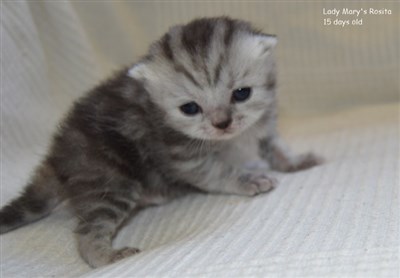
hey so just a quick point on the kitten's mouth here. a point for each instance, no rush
(214, 134)
(225, 134)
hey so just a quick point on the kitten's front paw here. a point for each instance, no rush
(253, 184)
(123, 253)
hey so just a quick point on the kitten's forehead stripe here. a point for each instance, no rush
(231, 80)
(228, 32)
(196, 38)
(197, 35)
(218, 68)
(207, 73)
(166, 47)
(184, 71)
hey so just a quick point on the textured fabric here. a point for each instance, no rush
(339, 93)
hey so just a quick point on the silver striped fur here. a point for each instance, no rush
(126, 144)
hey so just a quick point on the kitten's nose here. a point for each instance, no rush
(224, 124)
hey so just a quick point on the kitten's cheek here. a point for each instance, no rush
(209, 132)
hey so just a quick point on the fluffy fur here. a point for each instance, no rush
(127, 144)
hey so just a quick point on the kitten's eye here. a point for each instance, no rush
(190, 108)
(241, 94)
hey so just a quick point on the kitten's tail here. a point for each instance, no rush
(36, 201)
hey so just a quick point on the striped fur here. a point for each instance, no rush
(126, 145)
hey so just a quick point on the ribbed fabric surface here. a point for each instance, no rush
(339, 95)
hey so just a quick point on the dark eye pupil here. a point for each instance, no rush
(190, 108)
(241, 94)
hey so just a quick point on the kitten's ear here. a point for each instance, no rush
(267, 40)
(256, 45)
(139, 71)
(267, 43)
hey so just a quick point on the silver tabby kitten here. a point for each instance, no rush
(198, 113)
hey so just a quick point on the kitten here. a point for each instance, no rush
(192, 115)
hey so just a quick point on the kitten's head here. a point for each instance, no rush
(213, 77)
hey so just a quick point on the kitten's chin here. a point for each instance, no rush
(208, 133)
(219, 135)
(225, 136)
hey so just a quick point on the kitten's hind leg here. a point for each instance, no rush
(98, 226)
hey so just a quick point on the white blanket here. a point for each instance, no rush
(339, 219)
